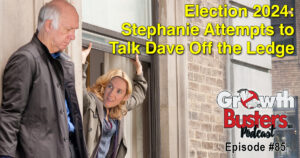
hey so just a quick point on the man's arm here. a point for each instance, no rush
(17, 80)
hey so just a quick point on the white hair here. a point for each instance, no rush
(48, 12)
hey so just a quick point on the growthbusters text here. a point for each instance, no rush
(253, 121)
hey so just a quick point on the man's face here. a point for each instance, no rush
(62, 36)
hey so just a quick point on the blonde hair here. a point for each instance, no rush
(98, 88)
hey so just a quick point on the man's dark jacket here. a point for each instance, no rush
(33, 119)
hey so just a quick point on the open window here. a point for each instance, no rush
(102, 22)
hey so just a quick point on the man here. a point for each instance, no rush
(40, 117)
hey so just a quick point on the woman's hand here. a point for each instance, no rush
(138, 65)
(85, 53)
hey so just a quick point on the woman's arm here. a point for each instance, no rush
(87, 98)
(138, 92)
(139, 86)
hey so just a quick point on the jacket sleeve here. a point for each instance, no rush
(138, 92)
(87, 98)
(17, 81)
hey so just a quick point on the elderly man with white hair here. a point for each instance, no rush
(39, 116)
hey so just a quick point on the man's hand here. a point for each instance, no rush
(138, 65)
(85, 53)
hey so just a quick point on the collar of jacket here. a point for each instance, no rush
(119, 133)
(64, 60)
(68, 68)
(43, 50)
(100, 108)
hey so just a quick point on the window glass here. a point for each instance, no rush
(111, 14)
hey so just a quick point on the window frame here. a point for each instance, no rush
(153, 85)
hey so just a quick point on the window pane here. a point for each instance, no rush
(111, 14)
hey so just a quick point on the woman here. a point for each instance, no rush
(104, 106)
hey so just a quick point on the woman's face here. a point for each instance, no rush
(115, 92)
